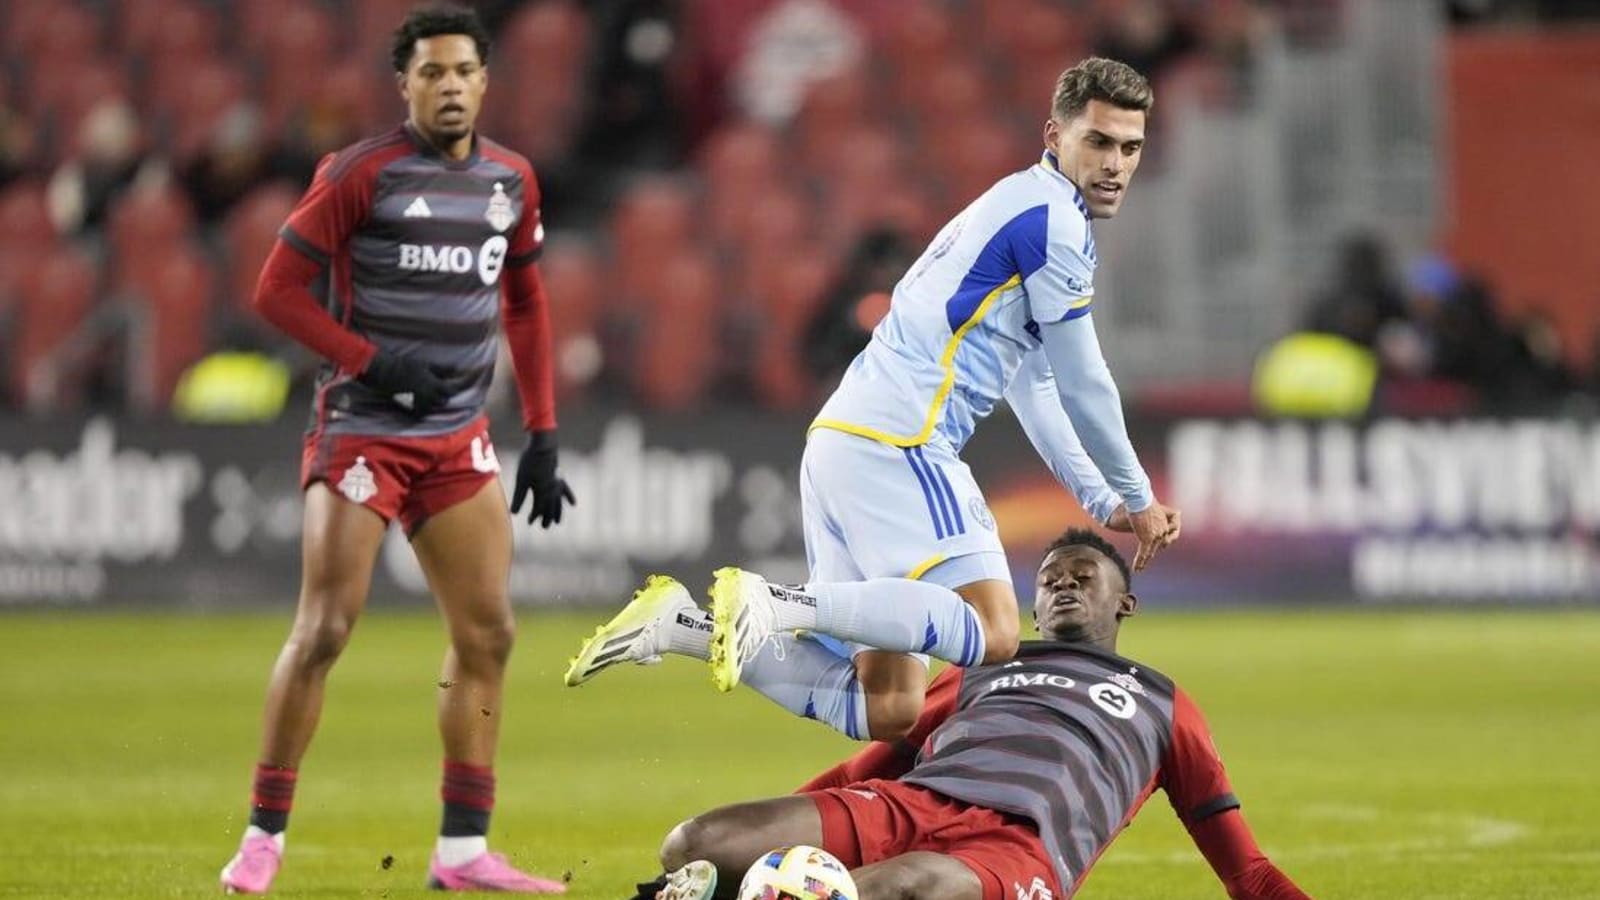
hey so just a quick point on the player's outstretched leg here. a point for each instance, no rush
(662, 618)
(895, 614)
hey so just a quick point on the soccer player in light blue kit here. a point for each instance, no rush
(903, 552)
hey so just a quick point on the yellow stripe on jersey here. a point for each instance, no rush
(947, 361)
(923, 567)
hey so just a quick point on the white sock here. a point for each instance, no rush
(810, 680)
(689, 634)
(796, 608)
(901, 615)
(252, 831)
(455, 851)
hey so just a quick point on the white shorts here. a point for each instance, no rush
(872, 510)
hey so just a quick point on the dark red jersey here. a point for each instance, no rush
(1073, 739)
(412, 246)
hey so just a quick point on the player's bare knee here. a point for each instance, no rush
(485, 643)
(315, 643)
(891, 717)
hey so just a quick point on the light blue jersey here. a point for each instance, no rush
(969, 311)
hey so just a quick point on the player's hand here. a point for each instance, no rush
(412, 385)
(1155, 526)
(536, 475)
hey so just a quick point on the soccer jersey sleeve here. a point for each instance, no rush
(335, 205)
(527, 241)
(1192, 772)
(1094, 406)
(1034, 399)
(1062, 285)
(1197, 786)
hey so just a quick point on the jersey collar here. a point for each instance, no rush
(1050, 164)
(428, 150)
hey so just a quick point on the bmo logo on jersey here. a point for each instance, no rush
(488, 259)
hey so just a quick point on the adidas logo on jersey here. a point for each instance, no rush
(418, 209)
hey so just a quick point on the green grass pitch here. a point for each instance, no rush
(1380, 756)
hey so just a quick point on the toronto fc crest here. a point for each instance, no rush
(500, 213)
(358, 485)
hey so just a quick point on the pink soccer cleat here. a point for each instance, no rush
(255, 865)
(488, 872)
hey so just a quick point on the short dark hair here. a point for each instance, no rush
(1083, 537)
(1106, 80)
(432, 21)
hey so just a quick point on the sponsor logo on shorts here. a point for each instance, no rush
(1038, 889)
(862, 792)
(358, 485)
(483, 456)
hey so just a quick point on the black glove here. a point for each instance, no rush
(536, 473)
(413, 386)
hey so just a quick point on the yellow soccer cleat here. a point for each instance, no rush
(638, 634)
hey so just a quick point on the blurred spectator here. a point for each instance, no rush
(106, 157)
(796, 43)
(1364, 295)
(1145, 35)
(859, 297)
(238, 158)
(633, 119)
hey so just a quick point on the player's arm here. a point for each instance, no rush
(316, 230)
(1032, 395)
(525, 316)
(891, 759)
(1197, 786)
(1060, 296)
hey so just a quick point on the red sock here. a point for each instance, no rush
(468, 794)
(271, 796)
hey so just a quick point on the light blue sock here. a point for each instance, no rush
(810, 680)
(901, 615)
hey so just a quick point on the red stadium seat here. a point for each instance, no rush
(159, 29)
(25, 217)
(655, 217)
(790, 289)
(574, 282)
(57, 293)
(148, 221)
(249, 232)
(676, 356)
(551, 38)
(65, 31)
(954, 89)
(173, 291)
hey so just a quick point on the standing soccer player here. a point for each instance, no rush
(903, 552)
(395, 267)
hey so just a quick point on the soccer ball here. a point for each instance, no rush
(797, 873)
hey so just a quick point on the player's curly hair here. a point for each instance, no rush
(432, 21)
(1083, 537)
(1106, 80)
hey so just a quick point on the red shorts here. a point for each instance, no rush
(871, 821)
(409, 477)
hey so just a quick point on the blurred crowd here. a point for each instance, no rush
(731, 187)
(1440, 341)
